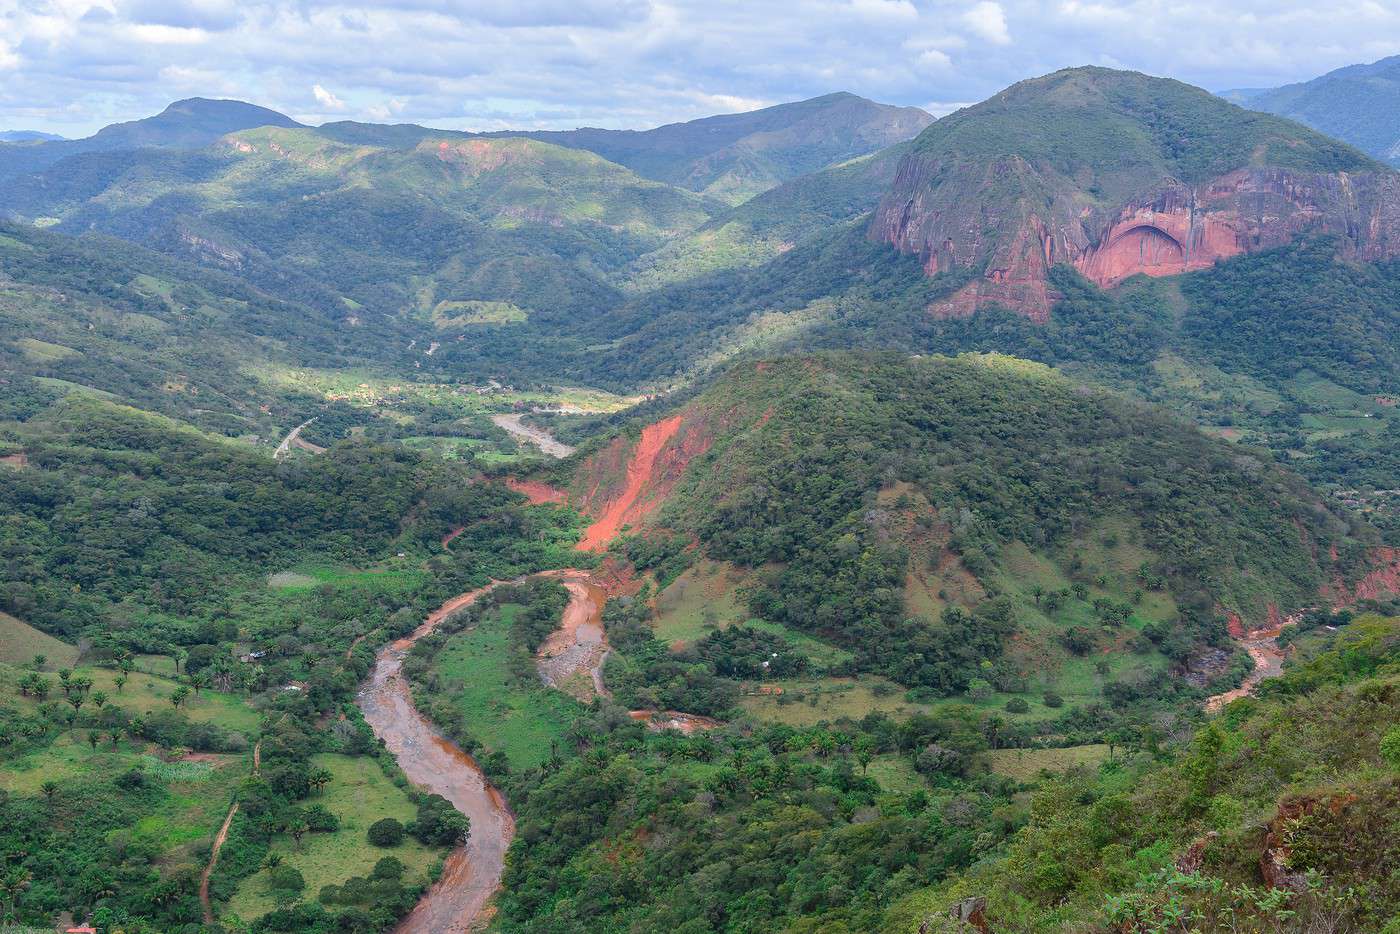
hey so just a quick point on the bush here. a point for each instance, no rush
(386, 832)
(1053, 700)
(1017, 705)
(286, 879)
(1390, 748)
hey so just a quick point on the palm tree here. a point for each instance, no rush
(12, 885)
(49, 788)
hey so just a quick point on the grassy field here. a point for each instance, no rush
(895, 772)
(704, 599)
(142, 694)
(20, 642)
(518, 720)
(1026, 764)
(186, 816)
(359, 794)
(808, 701)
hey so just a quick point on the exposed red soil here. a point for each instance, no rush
(1382, 580)
(15, 460)
(627, 507)
(536, 492)
(447, 539)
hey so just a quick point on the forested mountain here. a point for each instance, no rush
(731, 157)
(422, 232)
(919, 493)
(856, 487)
(1117, 173)
(1358, 104)
(187, 124)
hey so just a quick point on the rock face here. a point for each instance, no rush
(1008, 201)
(1176, 228)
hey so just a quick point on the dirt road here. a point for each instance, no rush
(219, 839)
(293, 436)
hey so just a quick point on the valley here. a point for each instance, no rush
(820, 518)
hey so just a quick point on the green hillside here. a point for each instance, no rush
(730, 157)
(859, 490)
(539, 226)
(1358, 104)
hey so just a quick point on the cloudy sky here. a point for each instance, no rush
(71, 66)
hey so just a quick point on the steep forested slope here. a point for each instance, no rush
(853, 486)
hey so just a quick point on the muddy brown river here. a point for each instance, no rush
(472, 873)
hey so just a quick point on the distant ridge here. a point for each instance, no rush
(188, 124)
(1358, 104)
(28, 136)
(730, 156)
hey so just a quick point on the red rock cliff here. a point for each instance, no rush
(1013, 221)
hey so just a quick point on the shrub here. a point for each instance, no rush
(1017, 705)
(386, 832)
(1390, 748)
(1053, 700)
(285, 879)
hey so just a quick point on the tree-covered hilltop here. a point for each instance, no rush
(839, 479)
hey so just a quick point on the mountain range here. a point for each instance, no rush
(925, 486)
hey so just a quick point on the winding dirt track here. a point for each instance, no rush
(293, 436)
(472, 872)
(219, 839)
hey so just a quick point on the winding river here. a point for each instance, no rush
(472, 872)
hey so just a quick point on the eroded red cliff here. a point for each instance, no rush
(1014, 221)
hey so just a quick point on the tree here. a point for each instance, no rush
(177, 696)
(99, 698)
(318, 779)
(865, 751)
(120, 682)
(40, 661)
(385, 832)
(49, 789)
(93, 737)
(13, 883)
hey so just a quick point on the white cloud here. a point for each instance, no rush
(885, 9)
(74, 65)
(934, 60)
(326, 99)
(988, 20)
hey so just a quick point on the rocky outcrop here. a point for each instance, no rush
(1011, 221)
